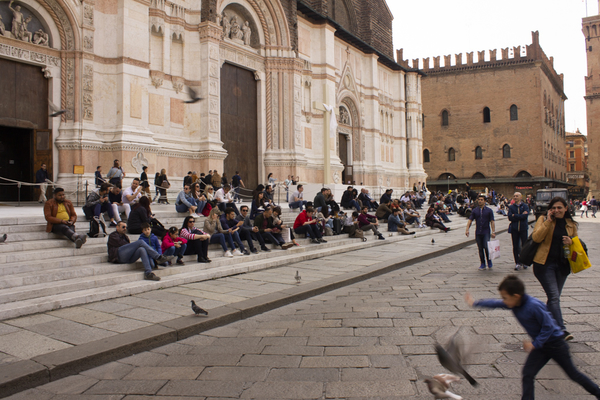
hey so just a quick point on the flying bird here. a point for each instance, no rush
(439, 385)
(193, 96)
(297, 277)
(451, 359)
(198, 310)
(55, 110)
(3, 238)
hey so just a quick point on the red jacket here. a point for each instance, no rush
(301, 219)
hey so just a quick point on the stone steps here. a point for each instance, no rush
(103, 282)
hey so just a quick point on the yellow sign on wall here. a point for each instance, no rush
(78, 169)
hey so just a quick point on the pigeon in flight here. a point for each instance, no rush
(451, 357)
(439, 385)
(3, 238)
(297, 277)
(198, 310)
(55, 110)
(193, 96)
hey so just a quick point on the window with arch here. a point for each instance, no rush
(478, 153)
(506, 151)
(426, 156)
(445, 118)
(523, 174)
(514, 113)
(487, 117)
(451, 154)
(478, 175)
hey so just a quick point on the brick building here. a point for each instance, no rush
(591, 32)
(495, 122)
(121, 69)
(577, 160)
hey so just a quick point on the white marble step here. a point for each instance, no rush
(130, 282)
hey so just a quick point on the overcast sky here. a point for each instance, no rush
(429, 28)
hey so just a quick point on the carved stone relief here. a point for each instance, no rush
(156, 81)
(88, 92)
(178, 86)
(139, 162)
(235, 29)
(88, 14)
(88, 43)
(25, 26)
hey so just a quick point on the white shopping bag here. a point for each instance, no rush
(285, 234)
(494, 249)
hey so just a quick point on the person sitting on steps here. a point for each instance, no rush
(305, 224)
(248, 226)
(364, 222)
(395, 224)
(122, 251)
(235, 228)
(151, 240)
(173, 245)
(61, 218)
(185, 202)
(212, 226)
(97, 203)
(349, 200)
(225, 198)
(115, 196)
(264, 223)
(297, 199)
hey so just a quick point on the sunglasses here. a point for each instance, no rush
(191, 221)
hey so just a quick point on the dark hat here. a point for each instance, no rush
(189, 172)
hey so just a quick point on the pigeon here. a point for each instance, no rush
(56, 111)
(3, 238)
(451, 359)
(193, 96)
(198, 310)
(297, 277)
(432, 241)
(439, 385)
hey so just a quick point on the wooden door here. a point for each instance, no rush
(239, 123)
(343, 152)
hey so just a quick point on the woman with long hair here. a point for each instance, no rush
(197, 240)
(212, 226)
(162, 187)
(258, 204)
(550, 265)
(140, 213)
(432, 220)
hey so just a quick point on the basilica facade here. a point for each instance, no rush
(270, 74)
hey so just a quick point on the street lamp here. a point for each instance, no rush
(448, 177)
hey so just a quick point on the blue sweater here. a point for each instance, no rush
(534, 317)
(518, 220)
(152, 241)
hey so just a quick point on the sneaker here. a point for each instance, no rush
(567, 336)
(482, 267)
(236, 252)
(322, 240)
(286, 246)
(112, 224)
(518, 267)
(246, 252)
(78, 242)
(227, 254)
(315, 241)
(254, 251)
(490, 265)
(264, 248)
(149, 276)
(380, 237)
(180, 261)
(163, 259)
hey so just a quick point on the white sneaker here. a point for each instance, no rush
(227, 254)
(236, 252)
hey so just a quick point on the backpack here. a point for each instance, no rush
(95, 225)
(337, 226)
(157, 228)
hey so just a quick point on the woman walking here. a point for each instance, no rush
(550, 266)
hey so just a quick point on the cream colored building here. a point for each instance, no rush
(265, 69)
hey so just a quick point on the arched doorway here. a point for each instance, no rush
(239, 123)
(345, 144)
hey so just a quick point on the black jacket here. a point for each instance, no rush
(114, 242)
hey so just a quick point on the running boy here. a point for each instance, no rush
(547, 336)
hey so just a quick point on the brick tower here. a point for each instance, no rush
(591, 31)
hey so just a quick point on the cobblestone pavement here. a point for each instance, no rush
(369, 340)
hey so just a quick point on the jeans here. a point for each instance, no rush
(274, 238)
(557, 350)
(371, 227)
(353, 203)
(482, 245)
(298, 204)
(235, 238)
(174, 251)
(224, 206)
(66, 230)
(220, 239)
(132, 252)
(246, 234)
(311, 231)
(182, 207)
(394, 223)
(553, 280)
(444, 217)
(518, 240)
(117, 210)
(101, 208)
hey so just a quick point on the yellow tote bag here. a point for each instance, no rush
(578, 259)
